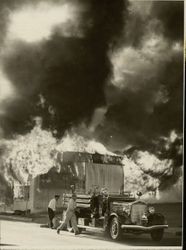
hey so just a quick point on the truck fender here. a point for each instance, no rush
(113, 215)
(108, 220)
(120, 217)
(156, 219)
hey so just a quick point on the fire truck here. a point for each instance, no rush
(103, 205)
(102, 202)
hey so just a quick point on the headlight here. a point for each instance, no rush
(151, 210)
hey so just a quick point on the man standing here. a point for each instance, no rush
(52, 209)
(70, 216)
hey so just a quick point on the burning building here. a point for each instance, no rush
(84, 171)
(37, 166)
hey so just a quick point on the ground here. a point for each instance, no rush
(29, 235)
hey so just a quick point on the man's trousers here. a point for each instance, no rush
(70, 217)
(51, 215)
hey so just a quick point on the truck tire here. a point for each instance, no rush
(115, 229)
(157, 235)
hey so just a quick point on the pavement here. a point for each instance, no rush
(29, 235)
(42, 219)
(15, 218)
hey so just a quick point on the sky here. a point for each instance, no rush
(111, 71)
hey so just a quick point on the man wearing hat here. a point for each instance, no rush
(52, 209)
(70, 216)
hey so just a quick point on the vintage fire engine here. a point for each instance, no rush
(103, 205)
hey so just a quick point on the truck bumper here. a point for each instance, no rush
(143, 228)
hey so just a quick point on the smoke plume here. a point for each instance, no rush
(111, 71)
(145, 96)
(69, 69)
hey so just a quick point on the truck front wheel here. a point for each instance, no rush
(115, 229)
(157, 235)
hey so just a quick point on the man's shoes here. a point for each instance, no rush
(58, 231)
(76, 233)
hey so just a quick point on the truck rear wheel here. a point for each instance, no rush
(157, 235)
(115, 229)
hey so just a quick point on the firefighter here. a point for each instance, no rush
(95, 203)
(70, 216)
(104, 201)
(52, 209)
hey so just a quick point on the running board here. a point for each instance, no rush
(150, 228)
(92, 228)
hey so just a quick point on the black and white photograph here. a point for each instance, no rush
(91, 124)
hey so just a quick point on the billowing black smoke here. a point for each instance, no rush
(126, 57)
(171, 14)
(147, 103)
(69, 72)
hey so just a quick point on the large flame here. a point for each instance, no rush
(29, 154)
(77, 143)
(147, 172)
(136, 179)
(35, 153)
(149, 163)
